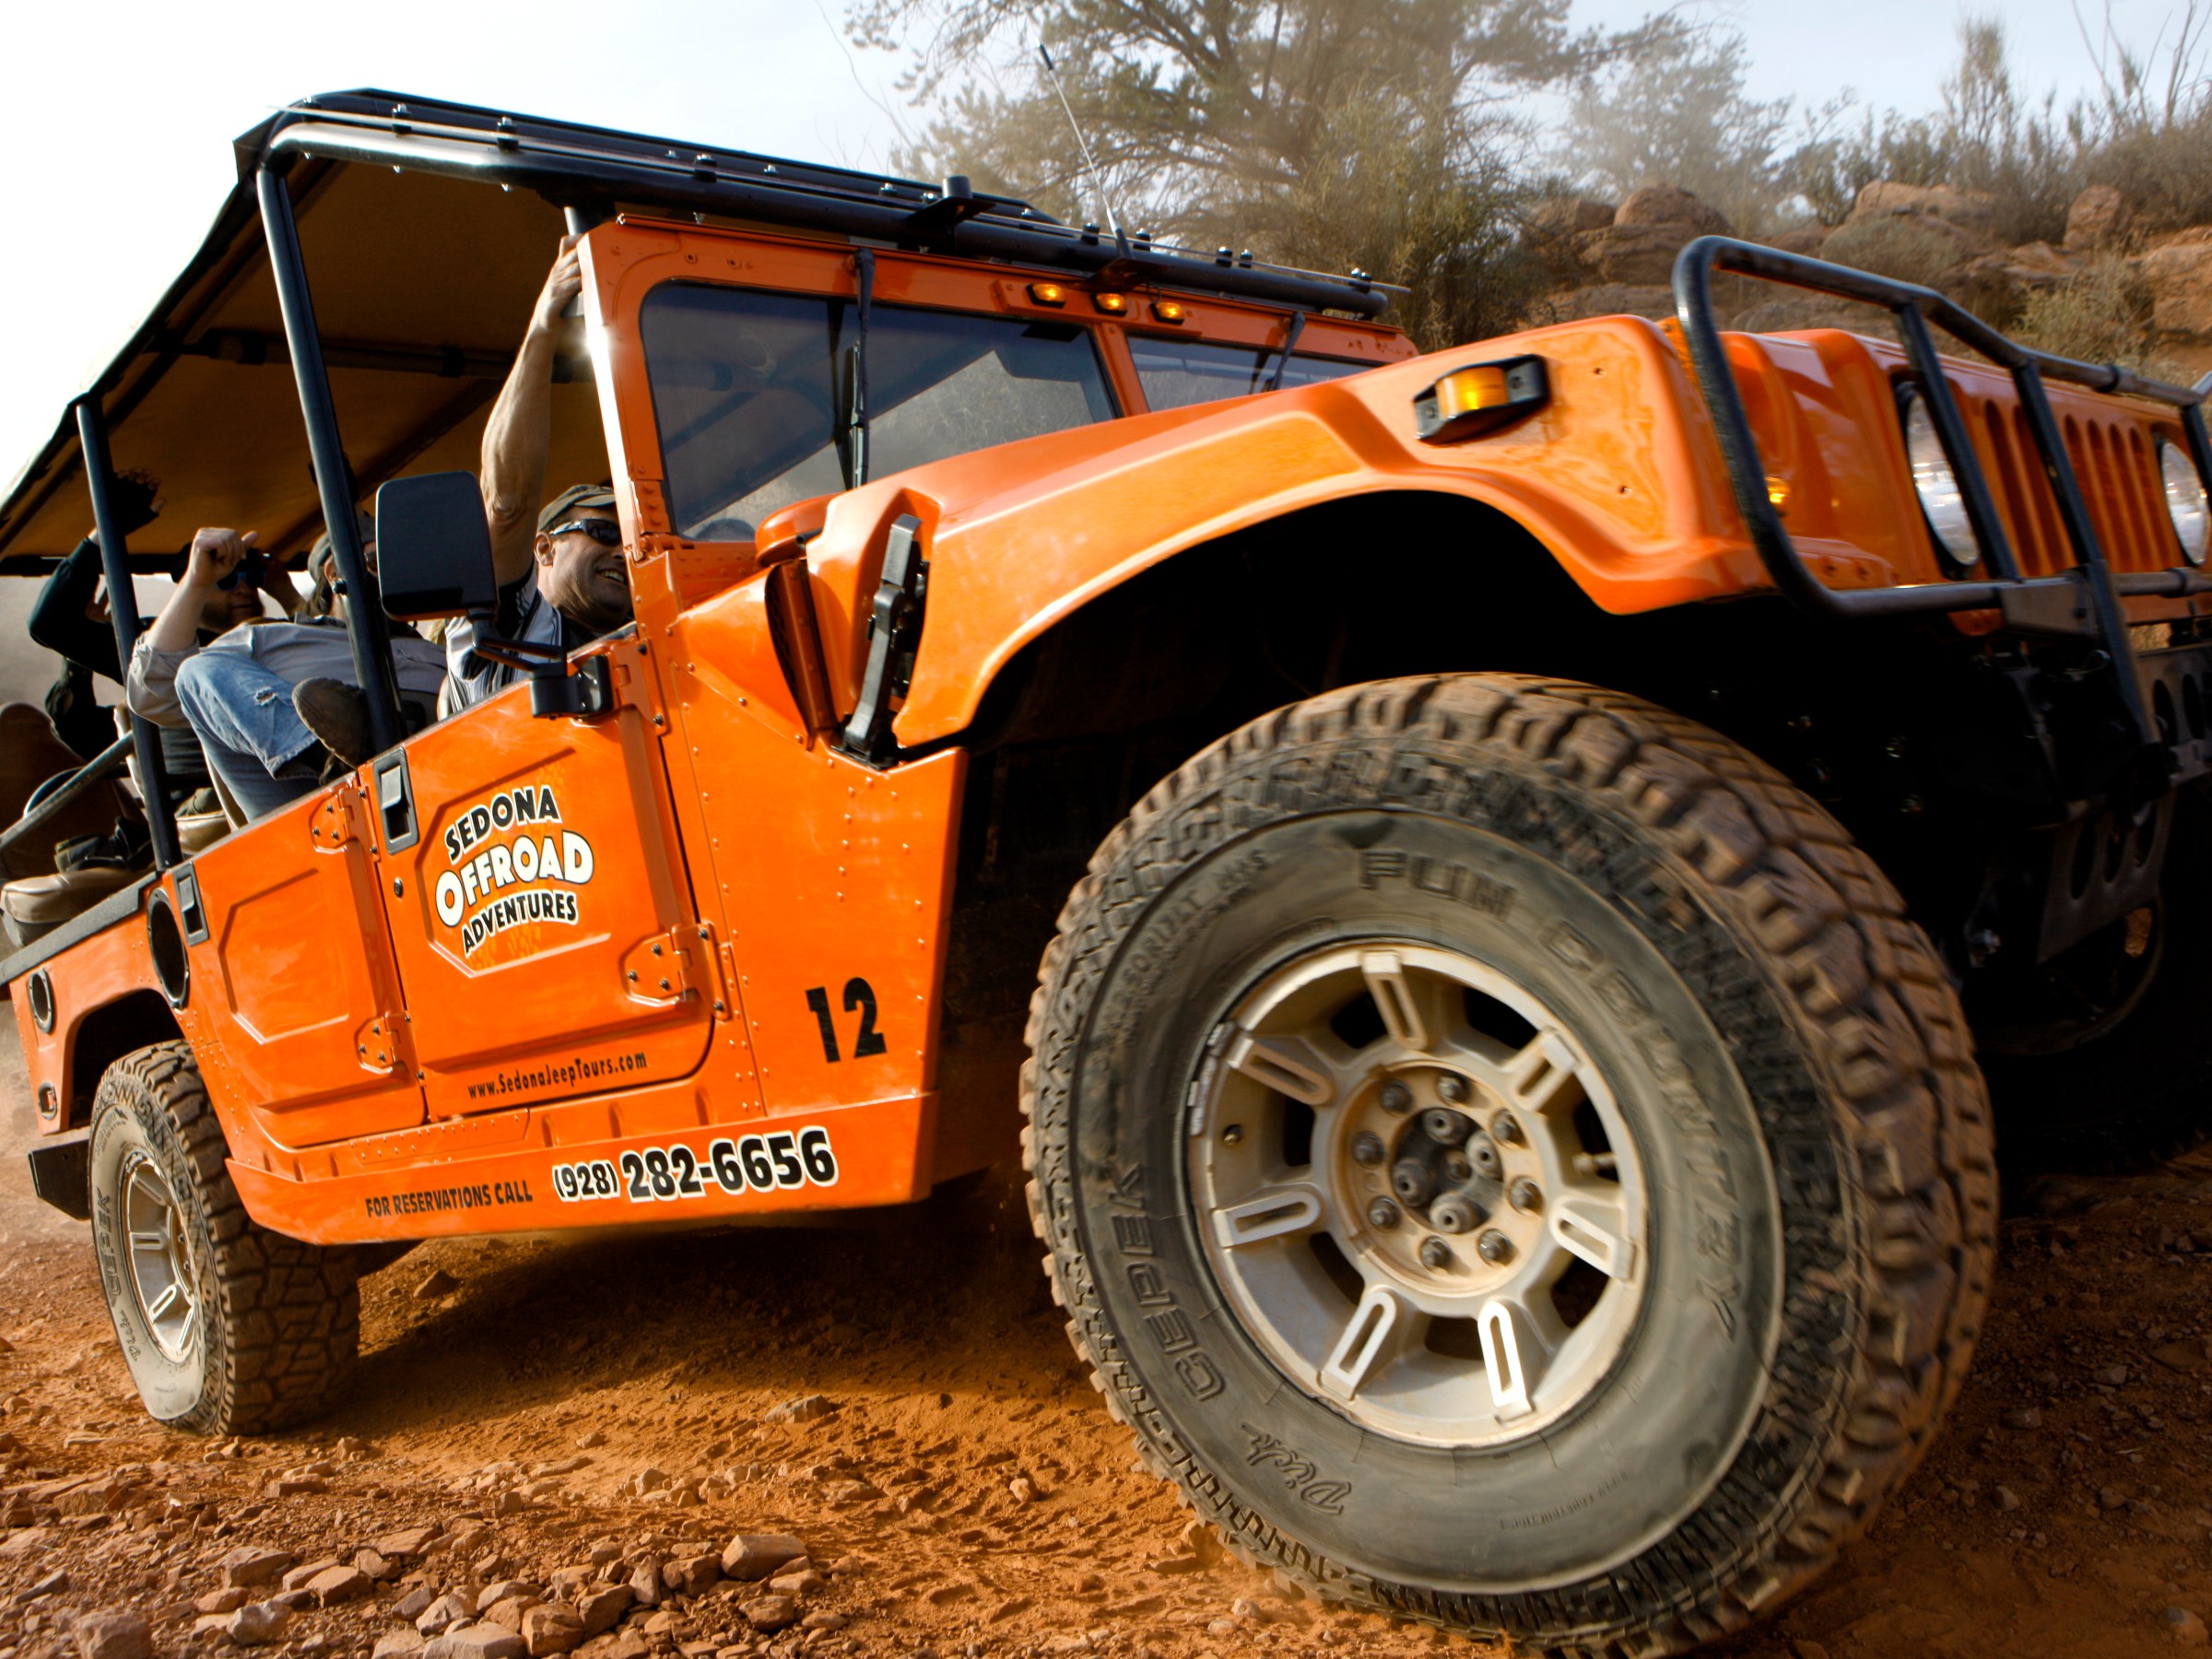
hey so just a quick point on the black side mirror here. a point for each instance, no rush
(434, 549)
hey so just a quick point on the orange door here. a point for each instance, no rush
(295, 977)
(543, 928)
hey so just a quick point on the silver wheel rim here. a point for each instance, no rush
(1463, 1301)
(160, 1260)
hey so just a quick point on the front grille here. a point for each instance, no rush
(2113, 461)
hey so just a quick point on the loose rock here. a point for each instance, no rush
(440, 1615)
(440, 1283)
(2183, 1626)
(250, 1566)
(337, 1584)
(806, 1408)
(602, 1611)
(117, 1634)
(257, 1623)
(768, 1613)
(402, 1643)
(477, 1642)
(753, 1555)
(551, 1628)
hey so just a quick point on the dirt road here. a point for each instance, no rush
(899, 1397)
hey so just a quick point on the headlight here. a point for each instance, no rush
(2185, 503)
(1941, 500)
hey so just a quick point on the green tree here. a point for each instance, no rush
(1318, 133)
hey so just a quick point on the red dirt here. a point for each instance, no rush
(933, 1335)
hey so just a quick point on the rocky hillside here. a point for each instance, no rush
(2108, 292)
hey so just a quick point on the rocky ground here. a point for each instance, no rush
(872, 1439)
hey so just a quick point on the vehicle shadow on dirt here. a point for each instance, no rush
(946, 1296)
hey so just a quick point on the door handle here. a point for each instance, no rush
(395, 801)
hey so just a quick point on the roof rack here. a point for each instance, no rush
(597, 169)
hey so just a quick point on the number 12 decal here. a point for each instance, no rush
(859, 994)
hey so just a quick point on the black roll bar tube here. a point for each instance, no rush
(122, 611)
(365, 626)
(2090, 592)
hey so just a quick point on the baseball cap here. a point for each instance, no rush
(577, 496)
(364, 525)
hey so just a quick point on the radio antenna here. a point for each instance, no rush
(1090, 166)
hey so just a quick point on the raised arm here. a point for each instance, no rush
(520, 433)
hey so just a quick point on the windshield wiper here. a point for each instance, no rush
(854, 449)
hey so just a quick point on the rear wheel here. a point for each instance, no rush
(227, 1328)
(1510, 1160)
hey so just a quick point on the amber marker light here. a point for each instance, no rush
(1778, 492)
(1113, 305)
(1480, 398)
(1048, 293)
(1166, 311)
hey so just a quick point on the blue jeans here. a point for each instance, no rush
(255, 741)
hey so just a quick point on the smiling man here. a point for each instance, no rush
(563, 579)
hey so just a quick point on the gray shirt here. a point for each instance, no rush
(292, 650)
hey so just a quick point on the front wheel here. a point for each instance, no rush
(227, 1327)
(1510, 1160)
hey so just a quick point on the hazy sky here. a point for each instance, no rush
(124, 111)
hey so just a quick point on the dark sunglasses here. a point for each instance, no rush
(605, 531)
(250, 569)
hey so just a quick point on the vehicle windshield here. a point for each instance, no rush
(1177, 372)
(750, 392)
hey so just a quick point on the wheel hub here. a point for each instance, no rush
(163, 1279)
(1417, 1193)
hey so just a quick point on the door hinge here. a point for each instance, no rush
(681, 963)
(378, 1043)
(335, 823)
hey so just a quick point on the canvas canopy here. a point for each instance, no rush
(426, 230)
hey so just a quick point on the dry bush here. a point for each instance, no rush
(2102, 316)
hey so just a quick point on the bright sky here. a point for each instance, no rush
(124, 111)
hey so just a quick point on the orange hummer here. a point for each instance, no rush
(1538, 852)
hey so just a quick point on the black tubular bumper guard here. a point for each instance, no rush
(2084, 601)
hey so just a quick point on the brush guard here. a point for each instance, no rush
(2083, 603)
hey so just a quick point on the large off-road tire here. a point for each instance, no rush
(227, 1328)
(1687, 1161)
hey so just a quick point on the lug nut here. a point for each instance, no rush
(1505, 1127)
(1368, 1149)
(1395, 1096)
(1232, 1134)
(1436, 1255)
(1412, 1183)
(1494, 1248)
(1453, 1089)
(1525, 1195)
(1444, 1127)
(1483, 1154)
(1382, 1213)
(1454, 1213)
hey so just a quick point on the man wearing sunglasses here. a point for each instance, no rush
(563, 579)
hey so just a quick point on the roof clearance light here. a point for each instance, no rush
(1941, 499)
(1480, 399)
(1113, 305)
(2186, 501)
(1048, 293)
(1166, 311)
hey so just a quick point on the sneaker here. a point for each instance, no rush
(337, 713)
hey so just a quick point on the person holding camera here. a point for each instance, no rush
(235, 691)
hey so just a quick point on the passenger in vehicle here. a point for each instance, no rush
(236, 692)
(70, 619)
(563, 579)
